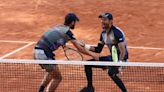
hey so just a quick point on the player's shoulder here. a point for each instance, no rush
(117, 31)
(61, 28)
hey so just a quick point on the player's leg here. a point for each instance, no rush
(56, 79)
(88, 70)
(39, 54)
(88, 73)
(48, 77)
(45, 82)
(112, 72)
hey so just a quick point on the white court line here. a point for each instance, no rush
(8, 41)
(19, 49)
(131, 47)
(144, 48)
(140, 47)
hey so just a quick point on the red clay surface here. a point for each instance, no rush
(6, 48)
(142, 22)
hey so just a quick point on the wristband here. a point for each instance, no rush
(87, 47)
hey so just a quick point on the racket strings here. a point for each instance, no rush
(72, 54)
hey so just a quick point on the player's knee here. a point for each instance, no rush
(56, 75)
(112, 71)
(57, 78)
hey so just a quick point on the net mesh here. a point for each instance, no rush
(27, 75)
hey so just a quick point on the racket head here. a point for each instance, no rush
(73, 55)
(114, 54)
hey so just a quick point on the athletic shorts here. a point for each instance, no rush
(111, 69)
(39, 54)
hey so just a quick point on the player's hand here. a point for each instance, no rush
(65, 47)
(82, 43)
(96, 58)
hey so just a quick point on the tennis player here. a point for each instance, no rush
(51, 41)
(111, 35)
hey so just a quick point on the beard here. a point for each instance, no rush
(105, 25)
(72, 27)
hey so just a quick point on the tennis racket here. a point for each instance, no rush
(72, 54)
(114, 54)
(115, 58)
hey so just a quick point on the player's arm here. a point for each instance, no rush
(97, 48)
(122, 49)
(81, 48)
(121, 45)
(78, 45)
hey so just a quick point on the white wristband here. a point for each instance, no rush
(87, 47)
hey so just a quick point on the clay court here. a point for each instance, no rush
(22, 23)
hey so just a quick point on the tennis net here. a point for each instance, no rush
(27, 75)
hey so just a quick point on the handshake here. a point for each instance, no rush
(90, 48)
(82, 43)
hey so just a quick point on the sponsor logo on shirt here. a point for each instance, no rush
(120, 39)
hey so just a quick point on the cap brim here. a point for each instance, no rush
(77, 19)
(100, 16)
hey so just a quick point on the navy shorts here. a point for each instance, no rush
(111, 69)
